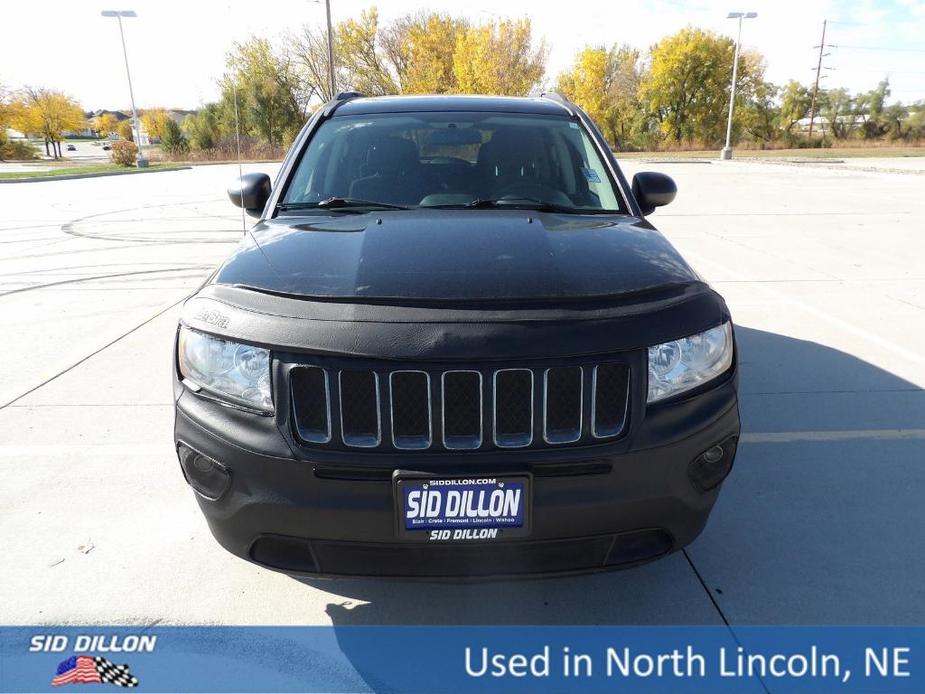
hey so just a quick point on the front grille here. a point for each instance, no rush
(462, 409)
(513, 408)
(458, 409)
(360, 419)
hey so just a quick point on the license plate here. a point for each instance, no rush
(475, 508)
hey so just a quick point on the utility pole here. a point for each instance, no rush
(812, 109)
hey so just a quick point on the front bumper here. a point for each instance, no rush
(594, 507)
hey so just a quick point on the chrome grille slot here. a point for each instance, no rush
(311, 401)
(610, 399)
(562, 404)
(360, 421)
(409, 393)
(462, 409)
(513, 408)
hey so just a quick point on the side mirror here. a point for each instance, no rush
(653, 190)
(251, 192)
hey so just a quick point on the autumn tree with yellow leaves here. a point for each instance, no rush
(499, 58)
(605, 83)
(154, 122)
(421, 53)
(47, 114)
(686, 88)
(104, 124)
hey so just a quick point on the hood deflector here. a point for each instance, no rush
(452, 333)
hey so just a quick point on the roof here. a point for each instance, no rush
(118, 115)
(406, 104)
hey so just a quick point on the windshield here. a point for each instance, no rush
(452, 160)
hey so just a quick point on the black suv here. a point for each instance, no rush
(453, 346)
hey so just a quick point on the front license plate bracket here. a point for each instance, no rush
(462, 508)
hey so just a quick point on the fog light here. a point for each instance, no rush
(208, 477)
(713, 465)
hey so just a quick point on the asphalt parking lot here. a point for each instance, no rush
(821, 521)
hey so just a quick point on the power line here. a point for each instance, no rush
(879, 48)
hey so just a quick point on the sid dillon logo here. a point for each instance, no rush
(93, 669)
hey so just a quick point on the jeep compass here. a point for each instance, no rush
(453, 346)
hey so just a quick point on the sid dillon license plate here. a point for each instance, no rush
(462, 508)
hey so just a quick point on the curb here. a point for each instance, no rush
(101, 174)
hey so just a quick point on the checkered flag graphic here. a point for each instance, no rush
(114, 674)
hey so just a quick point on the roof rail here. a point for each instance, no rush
(346, 96)
(339, 100)
(558, 98)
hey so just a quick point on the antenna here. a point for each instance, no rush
(237, 137)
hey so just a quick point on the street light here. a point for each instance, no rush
(140, 161)
(727, 150)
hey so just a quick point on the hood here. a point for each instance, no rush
(455, 256)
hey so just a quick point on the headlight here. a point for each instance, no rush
(680, 365)
(235, 372)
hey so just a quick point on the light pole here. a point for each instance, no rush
(327, 9)
(331, 81)
(140, 161)
(727, 150)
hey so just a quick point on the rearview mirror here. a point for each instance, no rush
(251, 191)
(653, 190)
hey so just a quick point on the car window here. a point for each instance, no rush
(447, 159)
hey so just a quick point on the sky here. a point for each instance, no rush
(177, 48)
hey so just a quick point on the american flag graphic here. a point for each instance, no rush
(86, 669)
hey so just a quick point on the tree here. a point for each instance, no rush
(155, 122)
(606, 85)
(795, 103)
(360, 54)
(871, 108)
(269, 96)
(891, 121)
(6, 110)
(420, 48)
(125, 131)
(499, 58)
(915, 122)
(202, 129)
(687, 85)
(309, 49)
(838, 110)
(172, 138)
(761, 117)
(47, 114)
(104, 124)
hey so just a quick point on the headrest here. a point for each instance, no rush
(508, 148)
(393, 154)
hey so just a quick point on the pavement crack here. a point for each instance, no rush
(93, 353)
(719, 610)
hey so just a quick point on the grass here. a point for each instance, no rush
(86, 169)
(820, 153)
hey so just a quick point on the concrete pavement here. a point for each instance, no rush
(819, 523)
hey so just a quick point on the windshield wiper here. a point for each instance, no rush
(508, 203)
(339, 204)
